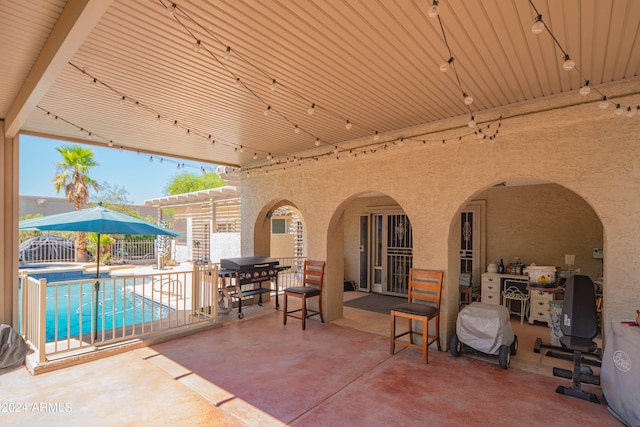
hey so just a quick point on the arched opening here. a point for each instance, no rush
(526, 222)
(369, 249)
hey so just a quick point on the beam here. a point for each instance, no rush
(77, 20)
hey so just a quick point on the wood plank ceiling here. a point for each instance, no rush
(374, 63)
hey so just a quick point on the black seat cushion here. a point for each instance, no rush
(309, 291)
(415, 308)
(583, 345)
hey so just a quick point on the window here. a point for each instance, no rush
(278, 226)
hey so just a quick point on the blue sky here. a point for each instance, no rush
(134, 172)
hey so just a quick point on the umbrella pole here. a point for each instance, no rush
(97, 288)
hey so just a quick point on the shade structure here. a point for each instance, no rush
(95, 220)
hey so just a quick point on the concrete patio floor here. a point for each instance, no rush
(258, 372)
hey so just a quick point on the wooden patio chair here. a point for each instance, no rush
(425, 287)
(313, 276)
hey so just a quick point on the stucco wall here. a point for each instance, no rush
(581, 148)
(542, 223)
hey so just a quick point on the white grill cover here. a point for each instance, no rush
(484, 327)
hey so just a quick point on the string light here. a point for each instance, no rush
(468, 100)
(618, 111)
(296, 129)
(317, 142)
(196, 46)
(348, 126)
(568, 64)
(630, 112)
(227, 53)
(376, 137)
(311, 109)
(538, 26)
(267, 110)
(472, 122)
(274, 85)
(604, 103)
(433, 10)
(444, 67)
(585, 89)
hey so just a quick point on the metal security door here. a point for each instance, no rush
(399, 254)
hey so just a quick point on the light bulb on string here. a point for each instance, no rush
(618, 111)
(335, 150)
(468, 100)
(311, 109)
(472, 122)
(434, 11)
(630, 112)
(255, 156)
(94, 82)
(175, 123)
(296, 129)
(172, 9)
(227, 53)
(317, 142)
(241, 149)
(238, 82)
(444, 67)
(604, 103)
(274, 85)
(538, 26)
(266, 111)
(161, 160)
(585, 89)
(348, 126)
(110, 144)
(150, 159)
(196, 46)
(376, 137)
(122, 99)
(568, 64)
(158, 118)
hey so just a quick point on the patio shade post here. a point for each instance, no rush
(97, 289)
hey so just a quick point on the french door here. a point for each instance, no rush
(386, 253)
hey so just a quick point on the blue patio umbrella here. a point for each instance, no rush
(96, 220)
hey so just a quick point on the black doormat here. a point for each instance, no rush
(375, 302)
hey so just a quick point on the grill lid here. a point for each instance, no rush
(248, 263)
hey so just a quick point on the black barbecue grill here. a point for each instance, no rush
(250, 270)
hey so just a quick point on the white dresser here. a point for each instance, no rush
(491, 286)
(539, 304)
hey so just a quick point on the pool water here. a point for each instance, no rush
(73, 315)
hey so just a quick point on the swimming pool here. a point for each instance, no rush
(70, 306)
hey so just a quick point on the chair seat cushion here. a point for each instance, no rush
(415, 308)
(583, 345)
(303, 290)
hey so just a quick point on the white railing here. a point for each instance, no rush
(292, 276)
(52, 251)
(59, 317)
(133, 250)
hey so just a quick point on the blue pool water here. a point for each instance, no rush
(73, 315)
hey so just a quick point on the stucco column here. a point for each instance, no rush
(8, 229)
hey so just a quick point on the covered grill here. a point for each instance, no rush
(249, 270)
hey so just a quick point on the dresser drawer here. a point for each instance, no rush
(539, 306)
(490, 297)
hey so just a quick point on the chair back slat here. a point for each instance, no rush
(425, 286)
(313, 273)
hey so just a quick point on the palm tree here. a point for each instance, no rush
(71, 174)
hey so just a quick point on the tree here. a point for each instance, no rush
(71, 174)
(188, 182)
